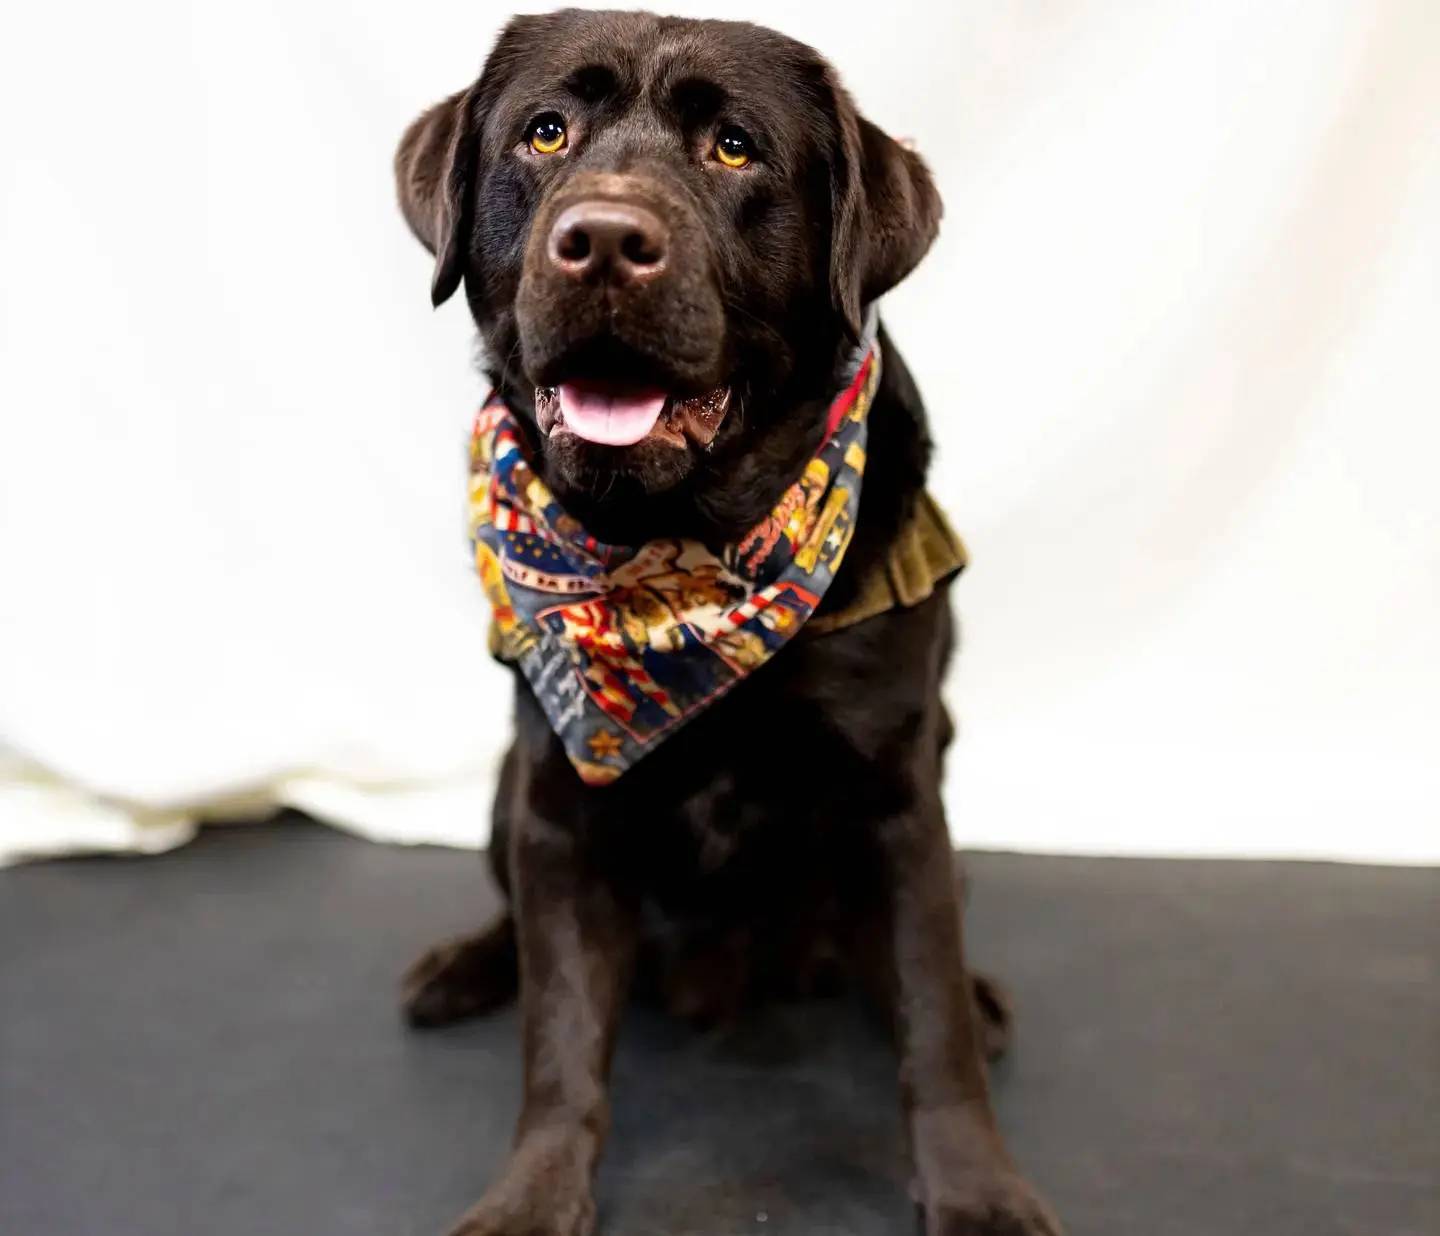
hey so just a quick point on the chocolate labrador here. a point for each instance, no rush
(670, 234)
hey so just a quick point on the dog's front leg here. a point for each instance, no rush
(577, 938)
(965, 1183)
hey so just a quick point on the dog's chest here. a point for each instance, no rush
(772, 767)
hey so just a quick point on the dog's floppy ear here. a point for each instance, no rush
(885, 210)
(438, 162)
(434, 172)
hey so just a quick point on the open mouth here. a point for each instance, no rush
(610, 414)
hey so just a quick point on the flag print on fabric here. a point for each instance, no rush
(621, 646)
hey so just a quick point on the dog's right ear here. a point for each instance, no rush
(438, 162)
(434, 175)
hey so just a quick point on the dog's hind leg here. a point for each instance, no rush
(475, 974)
(997, 1014)
(463, 978)
(991, 997)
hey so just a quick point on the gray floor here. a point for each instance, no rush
(206, 1043)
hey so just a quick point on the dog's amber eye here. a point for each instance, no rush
(547, 134)
(732, 147)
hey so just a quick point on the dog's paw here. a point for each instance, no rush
(462, 978)
(1004, 1205)
(543, 1191)
(541, 1218)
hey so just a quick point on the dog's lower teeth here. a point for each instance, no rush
(547, 409)
(697, 420)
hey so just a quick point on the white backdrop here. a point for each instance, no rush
(1179, 337)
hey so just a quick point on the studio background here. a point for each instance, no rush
(1178, 338)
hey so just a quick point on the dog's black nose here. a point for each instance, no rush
(603, 241)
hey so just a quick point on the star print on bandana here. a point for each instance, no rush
(605, 744)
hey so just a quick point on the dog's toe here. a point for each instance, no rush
(1007, 1206)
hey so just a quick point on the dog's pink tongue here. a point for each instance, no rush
(608, 416)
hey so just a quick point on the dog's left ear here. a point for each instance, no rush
(885, 210)
(434, 168)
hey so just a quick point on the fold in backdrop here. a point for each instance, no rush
(1178, 338)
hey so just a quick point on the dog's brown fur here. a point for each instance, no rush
(798, 820)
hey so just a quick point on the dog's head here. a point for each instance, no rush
(667, 232)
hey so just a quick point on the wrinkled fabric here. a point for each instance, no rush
(1177, 341)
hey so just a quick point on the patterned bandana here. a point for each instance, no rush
(623, 646)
